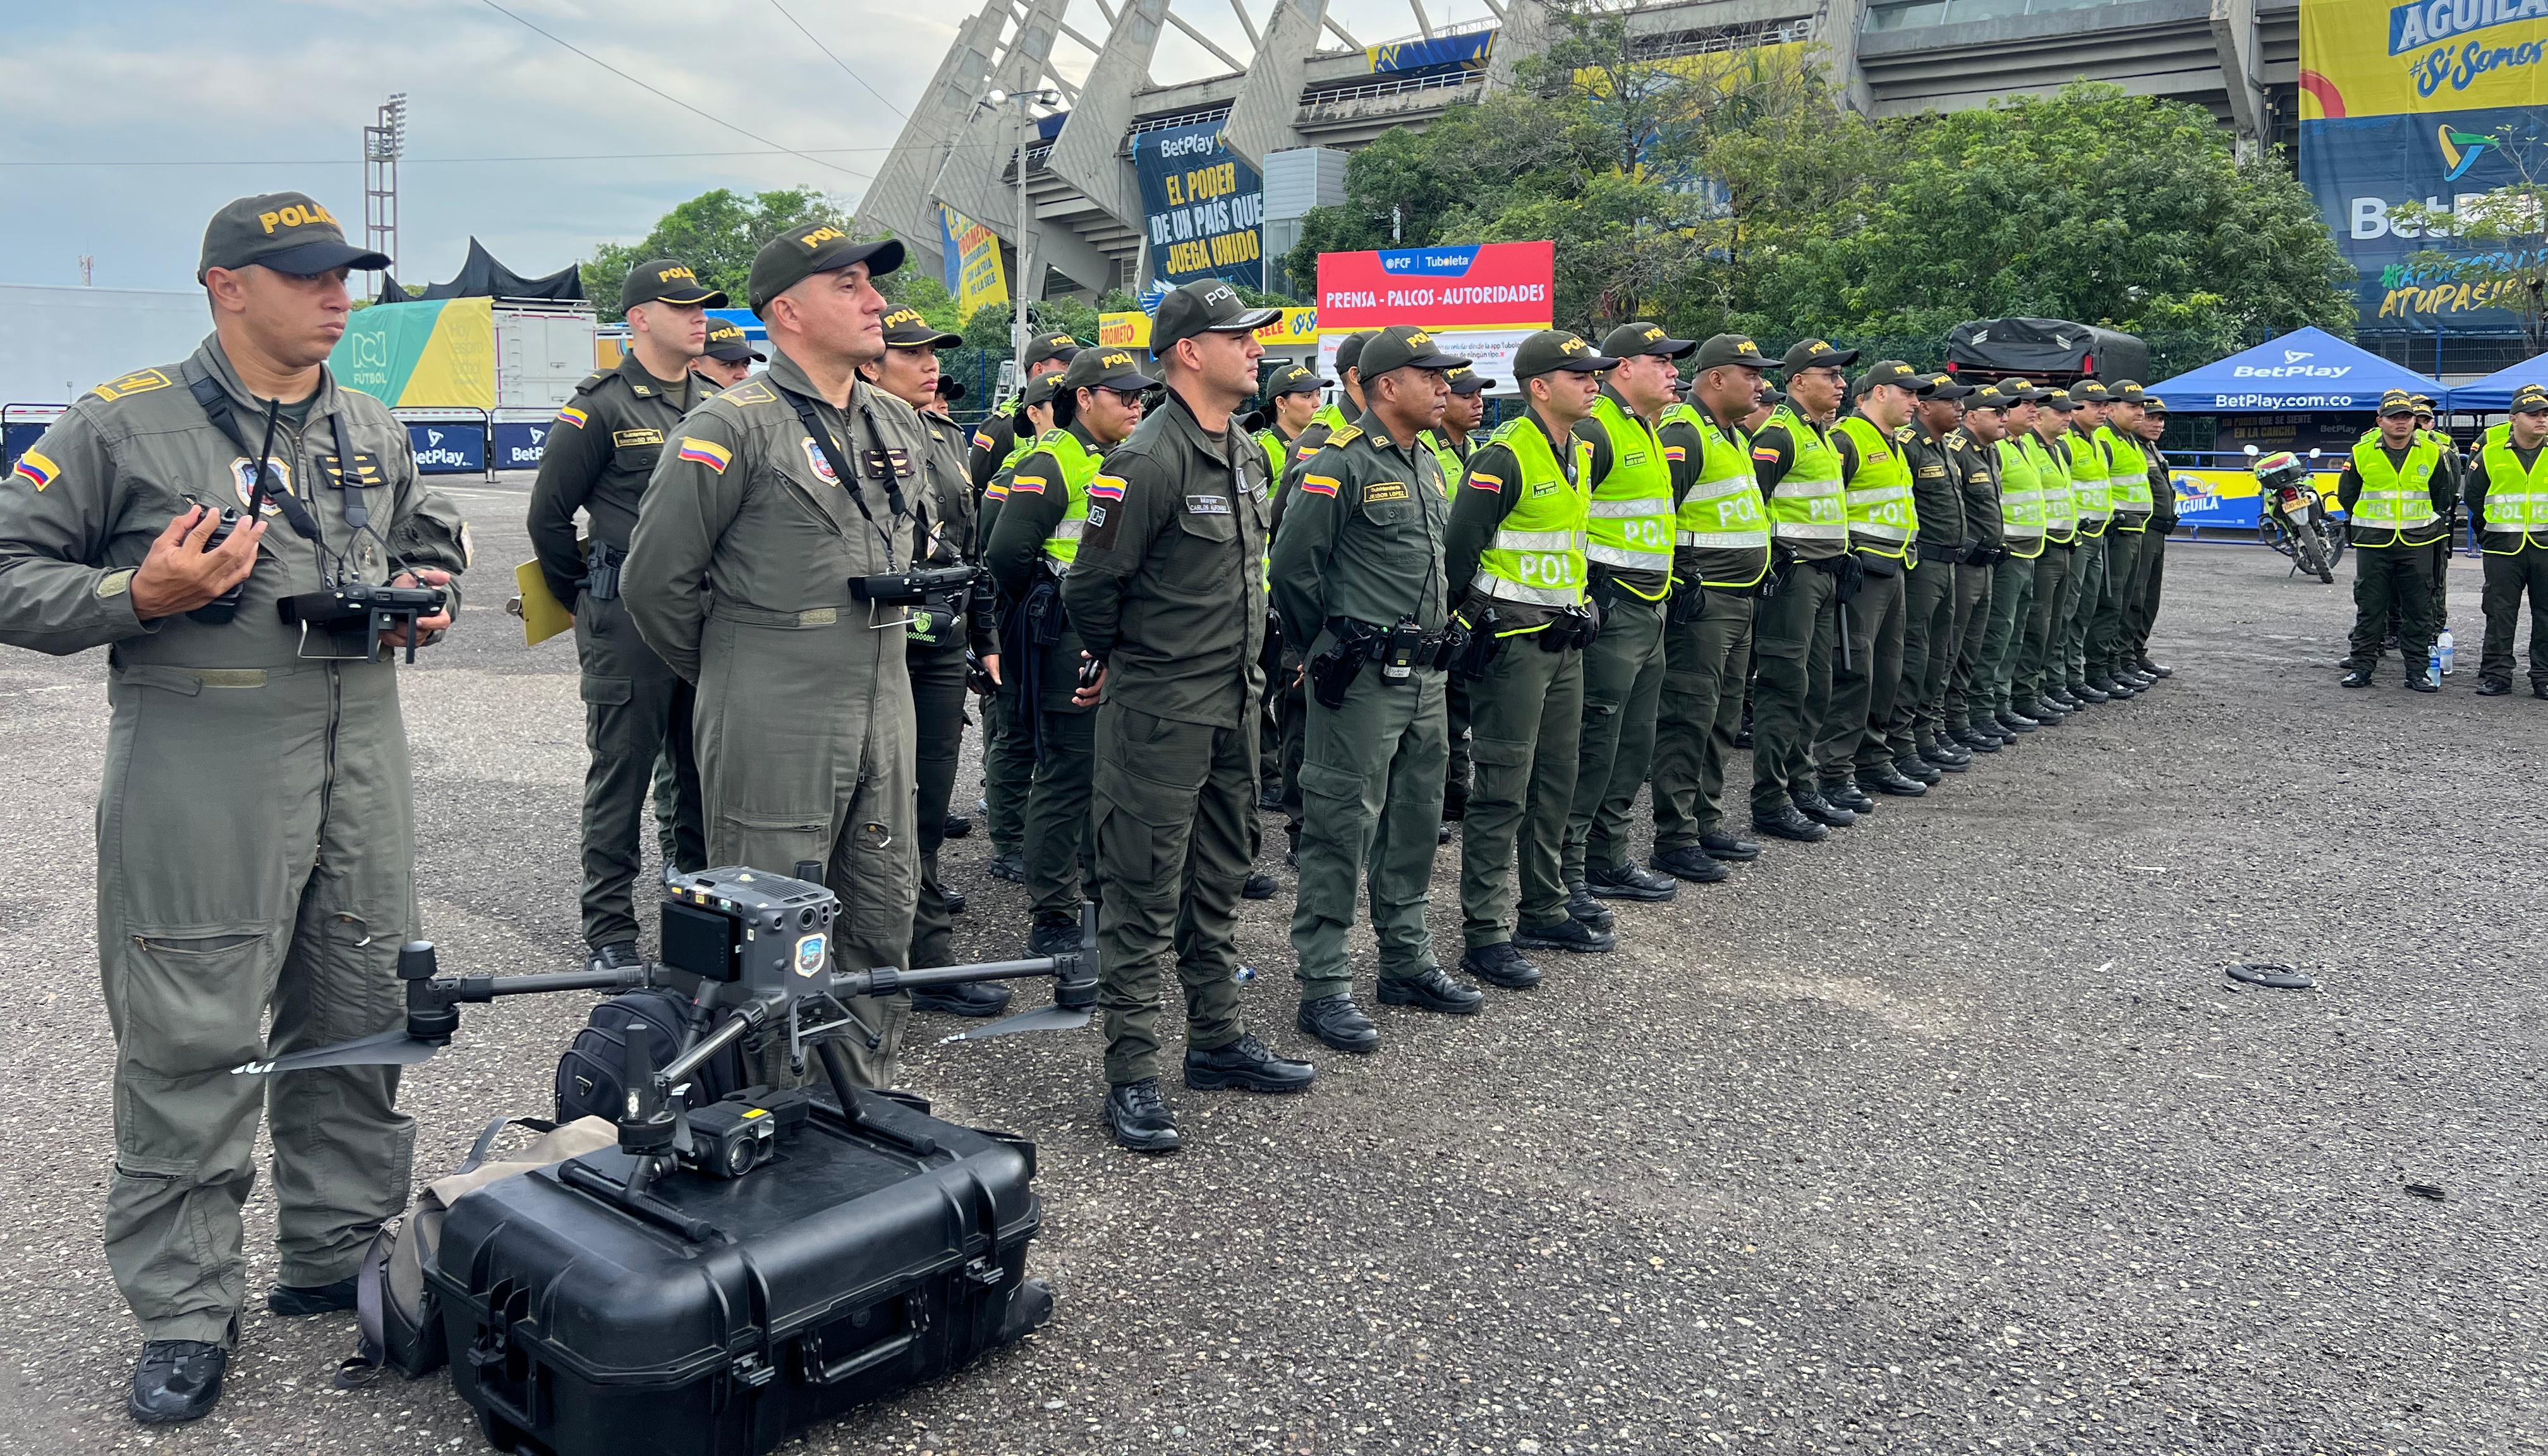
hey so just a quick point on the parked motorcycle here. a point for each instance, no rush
(2291, 515)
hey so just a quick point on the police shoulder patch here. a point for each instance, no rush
(750, 392)
(595, 381)
(139, 381)
(1347, 435)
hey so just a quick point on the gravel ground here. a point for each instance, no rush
(1947, 1136)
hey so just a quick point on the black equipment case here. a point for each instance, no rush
(720, 1317)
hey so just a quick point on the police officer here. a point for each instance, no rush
(1628, 555)
(996, 443)
(2456, 468)
(1882, 521)
(2002, 671)
(600, 454)
(729, 357)
(771, 500)
(1292, 399)
(1169, 593)
(1517, 540)
(1033, 544)
(2394, 495)
(2041, 670)
(1008, 753)
(940, 634)
(1335, 415)
(1291, 705)
(1720, 556)
(1453, 441)
(2128, 485)
(1359, 585)
(256, 826)
(1796, 622)
(1929, 639)
(1973, 446)
(2507, 500)
(2090, 488)
(2140, 613)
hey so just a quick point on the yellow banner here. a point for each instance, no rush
(1297, 329)
(2371, 59)
(974, 272)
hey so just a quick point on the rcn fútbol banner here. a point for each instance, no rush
(2435, 103)
(1203, 206)
(437, 354)
(1479, 300)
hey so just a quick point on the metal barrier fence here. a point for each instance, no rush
(20, 425)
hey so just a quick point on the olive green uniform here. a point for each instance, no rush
(2042, 668)
(1865, 679)
(1623, 668)
(1361, 550)
(2515, 565)
(2143, 609)
(1042, 652)
(1291, 713)
(937, 641)
(2392, 568)
(1455, 688)
(1525, 712)
(2000, 678)
(2089, 559)
(599, 453)
(1929, 638)
(1794, 626)
(1707, 642)
(1007, 748)
(1168, 592)
(805, 721)
(256, 827)
(1960, 700)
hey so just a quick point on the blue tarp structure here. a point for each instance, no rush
(2307, 369)
(2492, 395)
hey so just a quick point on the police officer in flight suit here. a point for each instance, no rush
(598, 456)
(1167, 589)
(1359, 585)
(940, 634)
(804, 719)
(1033, 544)
(256, 826)
(1008, 754)
(1795, 625)
(1517, 533)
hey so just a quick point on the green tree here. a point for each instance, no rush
(716, 232)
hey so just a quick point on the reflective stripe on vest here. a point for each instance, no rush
(1078, 468)
(2052, 488)
(2393, 500)
(1881, 516)
(2128, 477)
(1722, 511)
(2088, 483)
(1537, 553)
(1444, 456)
(1632, 506)
(2516, 500)
(1808, 503)
(2021, 502)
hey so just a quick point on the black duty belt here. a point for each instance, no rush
(1940, 553)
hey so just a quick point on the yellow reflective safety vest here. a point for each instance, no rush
(2393, 501)
(2021, 502)
(1631, 518)
(2516, 500)
(1808, 506)
(1721, 519)
(1881, 515)
(2089, 486)
(2127, 479)
(2052, 488)
(1537, 552)
(1078, 468)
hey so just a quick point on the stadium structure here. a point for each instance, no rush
(1311, 91)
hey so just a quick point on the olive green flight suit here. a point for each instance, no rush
(1168, 590)
(804, 723)
(256, 825)
(599, 452)
(1056, 818)
(1361, 548)
(936, 657)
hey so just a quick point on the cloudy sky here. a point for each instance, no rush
(123, 126)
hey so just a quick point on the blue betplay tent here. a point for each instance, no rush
(2307, 369)
(2492, 395)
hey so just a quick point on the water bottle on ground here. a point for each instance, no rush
(2434, 665)
(2444, 648)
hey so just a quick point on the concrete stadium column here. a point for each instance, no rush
(899, 197)
(1841, 21)
(1524, 32)
(1089, 152)
(1264, 114)
(2233, 36)
(972, 182)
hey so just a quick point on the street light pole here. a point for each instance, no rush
(1018, 326)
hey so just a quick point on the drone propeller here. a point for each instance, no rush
(387, 1048)
(1041, 1019)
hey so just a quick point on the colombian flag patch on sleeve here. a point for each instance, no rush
(981, 439)
(1106, 487)
(1675, 452)
(1026, 484)
(1319, 485)
(714, 456)
(1766, 452)
(1481, 480)
(35, 467)
(571, 415)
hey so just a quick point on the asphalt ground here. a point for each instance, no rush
(1946, 1136)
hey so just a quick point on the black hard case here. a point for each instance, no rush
(875, 1252)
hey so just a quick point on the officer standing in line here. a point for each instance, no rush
(1292, 395)
(1974, 449)
(1929, 638)
(2456, 468)
(1008, 754)
(729, 357)
(938, 637)
(1292, 707)
(2394, 495)
(598, 456)
(1167, 589)
(2002, 671)
(1628, 553)
(776, 495)
(2140, 613)
(1882, 521)
(1797, 620)
(1334, 416)
(997, 441)
(2507, 500)
(1720, 556)
(1453, 442)
(727, 362)
(1359, 585)
(2128, 485)
(2090, 486)
(255, 828)
(1517, 535)
(1033, 543)
(2042, 668)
